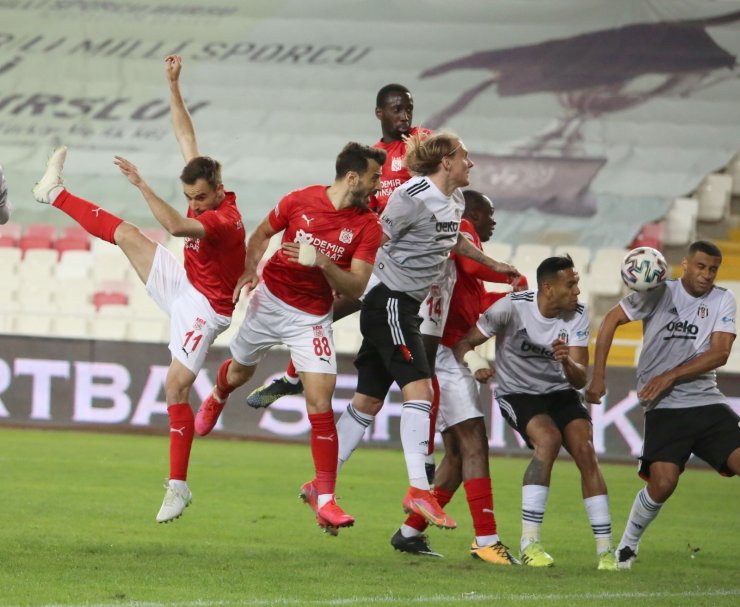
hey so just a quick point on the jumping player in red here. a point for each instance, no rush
(329, 243)
(196, 297)
(394, 108)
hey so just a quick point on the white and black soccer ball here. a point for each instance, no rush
(644, 268)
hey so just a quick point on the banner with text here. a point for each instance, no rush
(120, 386)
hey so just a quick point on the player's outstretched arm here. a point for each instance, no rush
(466, 249)
(597, 387)
(182, 122)
(168, 217)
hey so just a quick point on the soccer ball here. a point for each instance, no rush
(644, 268)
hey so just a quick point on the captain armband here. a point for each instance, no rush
(475, 361)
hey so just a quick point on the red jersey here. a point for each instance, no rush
(394, 171)
(469, 297)
(309, 217)
(214, 263)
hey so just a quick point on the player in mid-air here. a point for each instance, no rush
(421, 228)
(460, 421)
(689, 326)
(198, 296)
(541, 362)
(330, 239)
(394, 109)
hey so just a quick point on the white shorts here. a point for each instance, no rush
(269, 322)
(193, 322)
(458, 391)
(436, 304)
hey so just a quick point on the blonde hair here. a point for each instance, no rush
(425, 152)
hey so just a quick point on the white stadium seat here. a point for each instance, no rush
(30, 323)
(680, 222)
(581, 256)
(500, 251)
(714, 195)
(113, 329)
(74, 264)
(68, 325)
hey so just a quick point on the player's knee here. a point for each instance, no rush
(661, 486)
(547, 443)
(583, 453)
(126, 233)
(238, 375)
(367, 404)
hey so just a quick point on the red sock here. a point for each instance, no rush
(325, 450)
(433, 414)
(290, 371)
(419, 522)
(90, 216)
(480, 502)
(223, 387)
(182, 428)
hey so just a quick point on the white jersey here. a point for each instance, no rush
(422, 225)
(524, 357)
(677, 327)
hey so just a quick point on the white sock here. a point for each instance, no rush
(597, 508)
(178, 485)
(644, 510)
(415, 440)
(323, 499)
(54, 192)
(350, 430)
(534, 500)
(407, 531)
(487, 540)
(291, 380)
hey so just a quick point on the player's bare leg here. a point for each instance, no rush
(578, 440)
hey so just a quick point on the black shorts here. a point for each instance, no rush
(562, 406)
(392, 348)
(710, 432)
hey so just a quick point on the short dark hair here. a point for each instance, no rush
(551, 266)
(202, 167)
(354, 157)
(474, 201)
(388, 89)
(704, 246)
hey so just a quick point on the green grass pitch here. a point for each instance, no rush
(78, 528)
